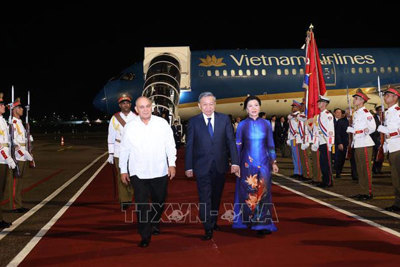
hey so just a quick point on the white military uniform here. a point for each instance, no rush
(21, 154)
(293, 133)
(392, 144)
(391, 129)
(115, 134)
(115, 130)
(5, 157)
(363, 125)
(326, 129)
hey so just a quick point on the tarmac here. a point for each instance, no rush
(61, 171)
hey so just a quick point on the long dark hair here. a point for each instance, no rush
(249, 98)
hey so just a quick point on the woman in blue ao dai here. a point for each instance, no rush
(255, 144)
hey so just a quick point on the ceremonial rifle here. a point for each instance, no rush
(28, 132)
(349, 150)
(16, 170)
(380, 156)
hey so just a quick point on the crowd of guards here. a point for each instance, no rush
(15, 155)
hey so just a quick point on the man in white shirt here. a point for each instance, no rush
(148, 145)
(115, 130)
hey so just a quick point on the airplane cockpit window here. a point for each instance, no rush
(128, 76)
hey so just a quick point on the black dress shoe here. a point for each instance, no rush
(155, 231)
(356, 196)
(144, 243)
(216, 228)
(263, 232)
(338, 176)
(125, 205)
(20, 210)
(393, 208)
(208, 235)
(4, 224)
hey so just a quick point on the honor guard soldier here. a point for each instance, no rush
(21, 155)
(391, 129)
(314, 142)
(294, 139)
(363, 125)
(304, 144)
(115, 130)
(6, 160)
(326, 140)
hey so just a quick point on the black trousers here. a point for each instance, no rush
(149, 213)
(340, 158)
(325, 160)
(210, 189)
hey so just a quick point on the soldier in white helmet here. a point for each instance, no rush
(115, 130)
(6, 161)
(391, 129)
(363, 125)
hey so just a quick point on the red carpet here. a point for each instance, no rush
(93, 233)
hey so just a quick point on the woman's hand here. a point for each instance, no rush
(275, 167)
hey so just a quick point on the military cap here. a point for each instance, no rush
(361, 94)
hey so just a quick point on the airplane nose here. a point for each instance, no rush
(100, 102)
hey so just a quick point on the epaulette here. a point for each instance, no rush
(327, 112)
(365, 110)
(116, 113)
(397, 108)
(14, 121)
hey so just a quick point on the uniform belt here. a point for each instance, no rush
(392, 134)
(117, 140)
(22, 144)
(359, 132)
(5, 145)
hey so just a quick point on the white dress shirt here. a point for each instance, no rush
(149, 148)
(212, 119)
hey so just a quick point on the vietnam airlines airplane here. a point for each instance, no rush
(174, 77)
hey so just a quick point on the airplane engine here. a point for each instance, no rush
(166, 72)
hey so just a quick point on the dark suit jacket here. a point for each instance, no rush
(281, 132)
(341, 137)
(202, 149)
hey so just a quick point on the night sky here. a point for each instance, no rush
(65, 54)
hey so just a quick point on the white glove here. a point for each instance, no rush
(28, 156)
(314, 147)
(10, 163)
(385, 148)
(111, 159)
(383, 129)
(31, 138)
(350, 130)
(288, 142)
(304, 146)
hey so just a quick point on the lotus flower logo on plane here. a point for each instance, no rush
(212, 62)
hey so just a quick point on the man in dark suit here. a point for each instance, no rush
(281, 132)
(376, 136)
(341, 141)
(209, 142)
